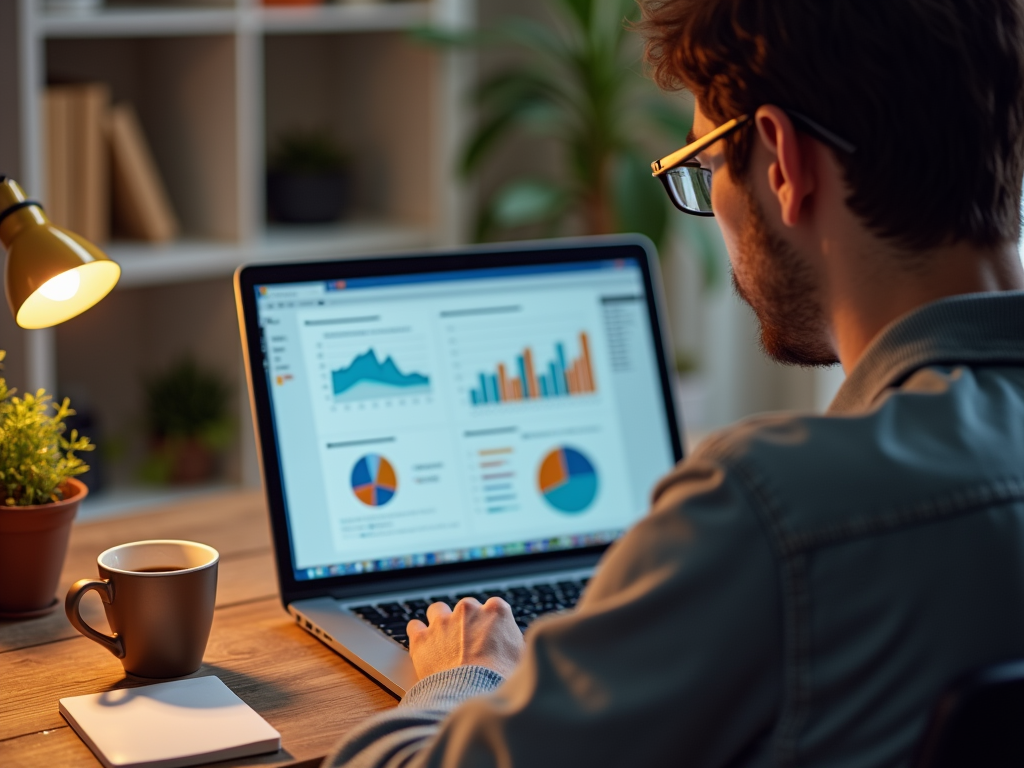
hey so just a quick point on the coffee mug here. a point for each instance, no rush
(159, 597)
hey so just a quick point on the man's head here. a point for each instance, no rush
(930, 92)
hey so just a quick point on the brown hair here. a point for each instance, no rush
(931, 92)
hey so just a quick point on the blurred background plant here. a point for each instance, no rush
(188, 424)
(308, 152)
(578, 82)
(37, 454)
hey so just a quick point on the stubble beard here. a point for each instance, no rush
(781, 290)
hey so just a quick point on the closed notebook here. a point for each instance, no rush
(184, 722)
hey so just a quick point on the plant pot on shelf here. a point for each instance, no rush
(180, 461)
(295, 197)
(33, 544)
(192, 461)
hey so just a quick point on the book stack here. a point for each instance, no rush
(100, 171)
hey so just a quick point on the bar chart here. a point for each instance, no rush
(528, 378)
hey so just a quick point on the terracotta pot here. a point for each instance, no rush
(307, 198)
(33, 544)
(189, 461)
(194, 463)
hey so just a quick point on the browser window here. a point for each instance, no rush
(446, 417)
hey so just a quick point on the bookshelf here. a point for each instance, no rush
(216, 83)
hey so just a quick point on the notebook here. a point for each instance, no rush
(183, 722)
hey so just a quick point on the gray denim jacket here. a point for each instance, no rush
(802, 590)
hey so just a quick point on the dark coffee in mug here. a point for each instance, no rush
(160, 569)
(159, 598)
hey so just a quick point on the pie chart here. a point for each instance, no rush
(567, 480)
(374, 481)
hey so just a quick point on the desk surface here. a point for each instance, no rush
(306, 691)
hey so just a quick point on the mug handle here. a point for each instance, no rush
(112, 643)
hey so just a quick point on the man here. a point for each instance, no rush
(804, 587)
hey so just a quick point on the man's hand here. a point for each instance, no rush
(485, 635)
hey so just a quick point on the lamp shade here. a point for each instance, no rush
(52, 274)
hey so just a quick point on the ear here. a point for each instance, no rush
(790, 175)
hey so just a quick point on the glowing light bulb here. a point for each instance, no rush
(62, 287)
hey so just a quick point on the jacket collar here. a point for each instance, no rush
(979, 328)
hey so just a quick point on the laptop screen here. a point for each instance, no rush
(446, 417)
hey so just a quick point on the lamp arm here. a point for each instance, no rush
(17, 207)
(12, 200)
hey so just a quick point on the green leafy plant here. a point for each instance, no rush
(308, 152)
(188, 401)
(186, 411)
(578, 82)
(36, 457)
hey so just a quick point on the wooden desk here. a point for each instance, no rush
(307, 692)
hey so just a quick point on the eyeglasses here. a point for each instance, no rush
(689, 184)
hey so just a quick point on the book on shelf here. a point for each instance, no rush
(100, 169)
(142, 208)
(92, 168)
(58, 173)
(77, 171)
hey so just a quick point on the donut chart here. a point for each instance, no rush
(567, 480)
(374, 481)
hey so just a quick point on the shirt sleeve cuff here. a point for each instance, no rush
(446, 690)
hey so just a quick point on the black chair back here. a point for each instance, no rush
(978, 722)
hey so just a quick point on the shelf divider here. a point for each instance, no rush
(176, 22)
(184, 261)
(319, 19)
(140, 22)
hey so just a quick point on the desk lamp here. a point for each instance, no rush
(52, 274)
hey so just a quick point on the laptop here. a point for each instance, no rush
(470, 423)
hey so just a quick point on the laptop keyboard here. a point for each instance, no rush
(528, 601)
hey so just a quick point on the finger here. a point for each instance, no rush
(414, 627)
(466, 604)
(436, 611)
(497, 604)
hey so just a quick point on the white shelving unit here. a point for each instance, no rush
(190, 260)
(216, 85)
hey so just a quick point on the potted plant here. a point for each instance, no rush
(308, 179)
(39, 497)
(187, 414)
(573, 85)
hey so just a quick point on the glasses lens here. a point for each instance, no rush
(690, 188)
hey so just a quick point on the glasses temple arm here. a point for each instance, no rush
(821, 132)
(680, 156)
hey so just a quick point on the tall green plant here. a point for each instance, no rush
(36, 458)
(578, 82)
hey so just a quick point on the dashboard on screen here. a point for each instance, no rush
(447, 417)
